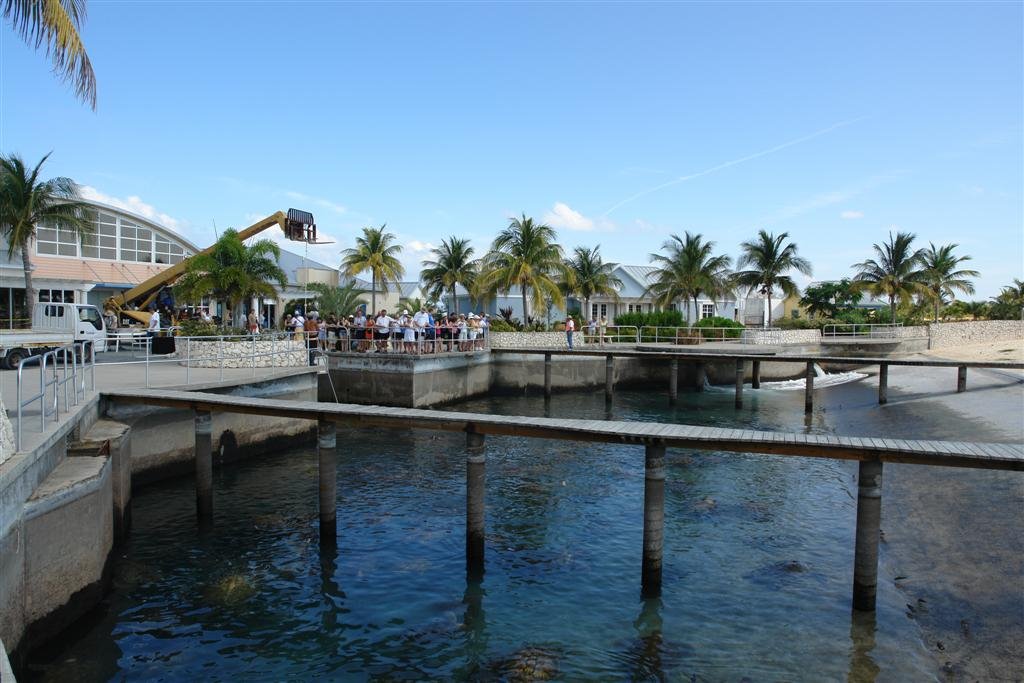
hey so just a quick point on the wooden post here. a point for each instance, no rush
(547, 375)
(654, 519)
(328, 471)
(809, 389)
(739, 383)
(883, 383)
(609, 377)
(701, 376)
(475, 466)
(961, 379)
(204, 464)
(755, 377)
(869, 519)
(673, 380)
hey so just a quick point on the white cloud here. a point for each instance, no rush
(563, 216)
(317, 201)
(133, 204)
(851, 215)
(420, 247)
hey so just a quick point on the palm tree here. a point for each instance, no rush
(939, 274)
(688, 270)
(1009, 304)
(27, 202)
(56, 24)
(767, 260)
(525, 254)
(374, 252)
(232, 272)
(895, 274)
(588, 275)
(452, 265)
(337, 300)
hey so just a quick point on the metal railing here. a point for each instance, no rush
(691, 336)
(429, 341)
(608, 334)
(870, 330)
(67, 379)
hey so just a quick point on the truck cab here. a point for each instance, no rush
(53, 325)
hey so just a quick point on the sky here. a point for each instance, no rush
(617, 124)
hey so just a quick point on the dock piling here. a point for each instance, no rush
(961, 379)
(204, 464)
(654, 518)
(755, 377)
(809, 389)
(869, 519)
(673, 380)
(883, 383)
(609, 377)
(328, 485)
(475, 478)
(547, 375)
(739, 383)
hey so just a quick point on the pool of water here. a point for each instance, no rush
(757, 578)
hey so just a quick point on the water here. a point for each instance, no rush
(757, 579)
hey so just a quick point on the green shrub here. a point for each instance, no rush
(733, 329)
(653, 319)
(798, 323)
(198, 328)
(499, 325)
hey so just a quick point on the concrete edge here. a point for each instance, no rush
(65, 496)
(6, 672)
(223, 384)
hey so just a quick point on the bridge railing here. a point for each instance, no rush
(66, 373)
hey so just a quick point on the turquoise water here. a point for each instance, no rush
(757, 578)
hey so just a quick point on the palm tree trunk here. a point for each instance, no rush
(769, 308)
(526, 316)
(30, 291)
(892, 310)
(938, 298)
(455, 300)
(373, 291)
(696, 309)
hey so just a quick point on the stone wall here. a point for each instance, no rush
(782, 336)
(535, 340)
(282, 353)
(974, 332)
(6, 434)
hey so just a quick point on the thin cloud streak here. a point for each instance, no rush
(734, 162)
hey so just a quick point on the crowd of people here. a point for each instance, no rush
(424, 332)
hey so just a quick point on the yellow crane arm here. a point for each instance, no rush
(297, 225)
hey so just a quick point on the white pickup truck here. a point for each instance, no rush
(53, 326)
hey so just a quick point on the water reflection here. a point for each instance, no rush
(863, 668)
(474, 626)
(647, 649)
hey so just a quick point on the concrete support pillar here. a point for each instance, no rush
(475, 469)
(739, 383)
(609, 377)
(204, 465)
(883, 383)
(700, 376)
(328, 485)
(654, 519)
(961, 379)
(121, 474)
(673, 380)
(809, 389)
(755, 379)
(869, 519)
(547, 375)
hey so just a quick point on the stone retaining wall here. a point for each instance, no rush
(238, 354)
(535, 340)
(784, 336)
(974, 332)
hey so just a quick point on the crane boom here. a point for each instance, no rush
(297, 226)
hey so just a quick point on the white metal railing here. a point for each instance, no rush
(609, 334)
(69, 369)
(426, 341)
(871, 330)
(651, 334)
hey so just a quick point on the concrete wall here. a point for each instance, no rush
(513, 372)
(407, 381)
(974, 332)
(163, 439)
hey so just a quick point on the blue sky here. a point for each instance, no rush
(617, 123)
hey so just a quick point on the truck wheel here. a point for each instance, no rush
(14, 357)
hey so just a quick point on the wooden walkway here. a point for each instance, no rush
(997, 456)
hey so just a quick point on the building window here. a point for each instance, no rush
(56, 241)
(12, 308)
(167, 251)
(707, 311)
(136, 242)
(671, 307)
(57, 296)
(101, 240)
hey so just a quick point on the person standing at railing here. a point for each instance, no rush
(154, 324)
(420, 323)
(309, 333)
(254, 323)
(321, 334)
(570, 327)
(485, 328)
(382, 330)
(603, 326)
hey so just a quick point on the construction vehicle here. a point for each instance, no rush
(136, 302)
(53, 325)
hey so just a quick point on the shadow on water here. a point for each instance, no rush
(863, 669)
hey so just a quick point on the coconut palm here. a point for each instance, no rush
(1009, 304)
(233, 272)
(587, 275)
(451, 266)
(687, 270)
(376, 252)
(896, 273)
(56, 24)
(940, 276)
(27, 202)
(525, 255)
(331, 299)
(767, 259)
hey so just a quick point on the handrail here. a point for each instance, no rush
(872, 330)
(65, 378)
